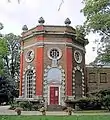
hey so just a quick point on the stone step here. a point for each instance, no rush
(54, 108)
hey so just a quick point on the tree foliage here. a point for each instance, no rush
(97, 13)
(12, 60)
(7, 90)
(80, 31)
(95, 100)
(3, 53)
(9, 66)
(104, 97)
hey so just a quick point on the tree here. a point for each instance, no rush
(97, 13)
(9, 66)
(104, 96)
(6, 87)
(7, 90)
(3, 53)
(12, 60)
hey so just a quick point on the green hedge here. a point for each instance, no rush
(26, 105)
(88, 103)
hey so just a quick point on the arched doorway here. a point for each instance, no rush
(54, 77)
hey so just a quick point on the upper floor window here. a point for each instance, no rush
(103, 77)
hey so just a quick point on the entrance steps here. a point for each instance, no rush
(54, 108)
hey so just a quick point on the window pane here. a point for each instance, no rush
(29, 83)
(54, 74)
(103, 78)
(92, 78)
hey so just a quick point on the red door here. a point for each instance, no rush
(54, 95)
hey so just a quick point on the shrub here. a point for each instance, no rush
(14, 106)
(88, 103)
(104, 97)
(27, 105)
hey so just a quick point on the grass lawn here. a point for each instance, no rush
(84, 117)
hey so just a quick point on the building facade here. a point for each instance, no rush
(52, 64)
(97, 78)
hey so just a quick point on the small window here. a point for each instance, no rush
(103, 78)
(92, 78)
(54, 53)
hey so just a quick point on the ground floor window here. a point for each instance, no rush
(29, 83)
(78, 84)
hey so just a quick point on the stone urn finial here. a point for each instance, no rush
(67, 21)
(25, 28)
(41, 21)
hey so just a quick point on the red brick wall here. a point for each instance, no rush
(69, 71)
(39, 70)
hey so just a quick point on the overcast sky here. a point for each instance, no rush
(14, 16)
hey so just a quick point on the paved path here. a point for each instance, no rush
(4, 110)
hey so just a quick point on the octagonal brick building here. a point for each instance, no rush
(52, 64)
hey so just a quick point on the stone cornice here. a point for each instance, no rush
(55, 43)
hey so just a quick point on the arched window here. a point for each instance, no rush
(29, 83)
(78, 84)
(54, 74)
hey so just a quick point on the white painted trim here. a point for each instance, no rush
(96, 66)
(55, 43)
(48, 95)
(25, 90)
(59, 95)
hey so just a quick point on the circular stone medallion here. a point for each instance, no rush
(78, 56)
(29, 56)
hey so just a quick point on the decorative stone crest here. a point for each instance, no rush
(54, 54)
